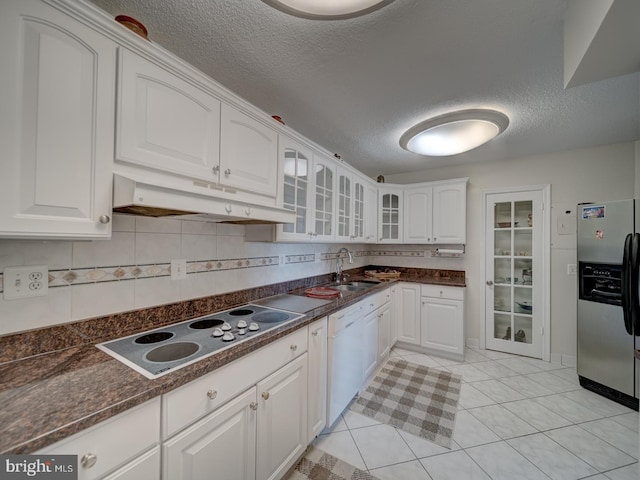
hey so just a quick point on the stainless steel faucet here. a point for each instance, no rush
(340, 262)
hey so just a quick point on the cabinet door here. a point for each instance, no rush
(325, 187)
(358, 230)
(164, 122)
(450, 213)
(395, 315)
(221, 445)
(282, 420)
(56, 124)
(409, 313)
(317, 391)
(384, 332)
(248, 153)
(370, 346)
(371, 214)
(145, 467)
(295, 173)
(442, 325)
(417, 215)
(344, 213)
(389, 216)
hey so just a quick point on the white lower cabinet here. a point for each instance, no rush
(119, 446)
(282, 420)
(442, 320)
(407, 313)
(255, 417)
(384, 332)
(223, 444)
(370, 344)
(146, 466)
(317, 379)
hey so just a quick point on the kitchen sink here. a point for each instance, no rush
(348, 288)
(364, 283)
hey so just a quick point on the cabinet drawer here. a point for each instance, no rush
(375, 301)
(183, 406)
(438, 291)
(114, 441)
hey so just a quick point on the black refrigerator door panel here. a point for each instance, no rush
(634, 284)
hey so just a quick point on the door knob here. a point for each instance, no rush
(489, 282)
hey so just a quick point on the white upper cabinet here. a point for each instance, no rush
(359, 209)
(370, 213)
(390, 214)
(248, 153)
(323, 204)
(56, 124)
(449, 212)
(344, 211)
(417, 215)
(165, 122)
(435, 212)
(295, 167)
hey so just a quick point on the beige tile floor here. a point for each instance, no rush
(518, 418)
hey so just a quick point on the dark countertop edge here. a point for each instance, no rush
(194, 371)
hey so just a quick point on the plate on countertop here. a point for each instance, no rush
(293, 303)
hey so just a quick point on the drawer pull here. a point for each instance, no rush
(212, 394)
(293, 348)
(315, 333)
(88, 460)
(253, 406)
(265, 395)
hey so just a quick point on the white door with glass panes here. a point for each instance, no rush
(516, 276)
(295, 167)
(324, 181)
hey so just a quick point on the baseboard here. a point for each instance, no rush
(566, 360)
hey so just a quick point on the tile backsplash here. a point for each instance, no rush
(132, 270)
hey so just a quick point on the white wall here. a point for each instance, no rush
(596, 174)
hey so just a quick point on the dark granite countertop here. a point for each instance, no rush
(54, 382)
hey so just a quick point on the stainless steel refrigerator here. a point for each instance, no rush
(608, 301)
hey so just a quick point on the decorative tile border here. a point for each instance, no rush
(395, 253)
(333, 256)
(305, 258)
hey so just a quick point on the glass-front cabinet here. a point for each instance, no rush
(389, 215)
(325, 179)
(344, 214)
(514, 273)
(295, 168)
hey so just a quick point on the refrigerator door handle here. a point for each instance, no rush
(626, 287)
(634, 284)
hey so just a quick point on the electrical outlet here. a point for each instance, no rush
(178, 269)
(24, 282)
(572, 269)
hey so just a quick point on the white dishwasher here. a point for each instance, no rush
(344, 358)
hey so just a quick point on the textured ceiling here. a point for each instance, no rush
(354, 86)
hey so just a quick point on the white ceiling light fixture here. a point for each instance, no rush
(454, 133)
(327, 9)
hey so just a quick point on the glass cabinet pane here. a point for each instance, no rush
(502, 326)
(522, 244)
(502, 299)
(523, 214)
(523, 329)
(502, 215)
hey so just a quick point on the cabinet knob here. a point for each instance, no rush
(293, 347)
(315, 334)
(216, 169)
(88, 460)
(489, 282)
(212, 394)
(104, 219)
(227, 172)
(265, 395)
(227, 208)
(247, 211)
(253, 406)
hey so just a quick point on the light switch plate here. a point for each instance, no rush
(25, 282)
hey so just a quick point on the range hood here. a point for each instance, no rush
(153, 198)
